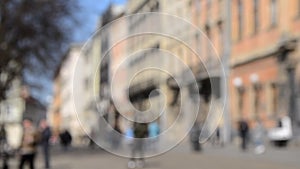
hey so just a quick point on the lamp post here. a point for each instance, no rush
(254, 78)
(292, 96)
(238, 83)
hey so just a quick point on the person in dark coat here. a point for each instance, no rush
(194, 137)
(243, 131)
(45, 139)
(3, 147)
(65, 139)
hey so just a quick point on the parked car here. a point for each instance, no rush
(282, 134)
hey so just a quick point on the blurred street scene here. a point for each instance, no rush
(153, 84)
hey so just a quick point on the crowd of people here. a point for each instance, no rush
(33, 137)
(254, 135)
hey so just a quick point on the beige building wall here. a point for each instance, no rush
(12, 114)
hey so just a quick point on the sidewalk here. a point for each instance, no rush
(229, 157)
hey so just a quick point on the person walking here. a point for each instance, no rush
(45, 141)
(65, 139)
(194, 137)
(129, 136)
(115, 140)
(28, 145)
(153, 130)
(140, 131)
(243, 131)
(4, 147)
(258, 136)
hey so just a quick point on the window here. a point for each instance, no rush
(208, 48)
(240, 19)
(274, 13)
(256, 15)
(86, 83)
(221, 37)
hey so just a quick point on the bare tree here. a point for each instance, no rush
(33, 36)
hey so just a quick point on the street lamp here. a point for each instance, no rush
(238, 83)
(254, 78)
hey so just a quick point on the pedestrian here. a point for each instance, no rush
(243, 131)
(92, 137)
(29, 143)
(65, 139)
(45, 141)
(154, 131)
(115, 140)
(258, 136)
(194, 137)
(4, 147)
(216, 138)
(129, 136)
(140, 131)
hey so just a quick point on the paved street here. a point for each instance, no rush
(180, 158)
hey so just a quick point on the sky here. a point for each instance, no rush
(88, 15)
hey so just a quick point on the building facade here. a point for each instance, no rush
(263, 59)
(71, 108)
(264, 62)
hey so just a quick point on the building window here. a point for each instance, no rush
(274, 13)
(240, 19)
(208, 34)
(256, 15)
(86, 83)
(221, 37)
